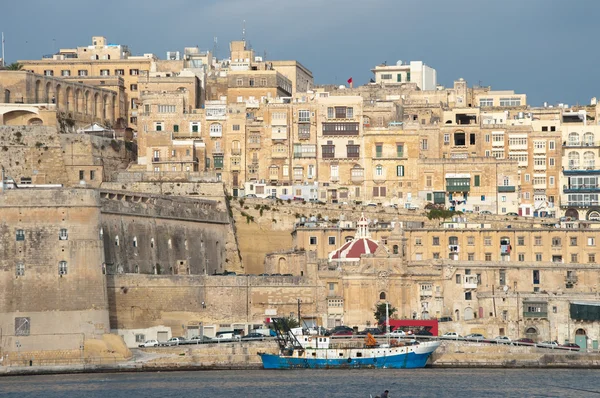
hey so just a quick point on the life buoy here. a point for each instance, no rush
(309, 339)
(349, 360)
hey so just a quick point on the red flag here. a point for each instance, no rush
(350, 81)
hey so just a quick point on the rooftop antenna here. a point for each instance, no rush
(3, 63)
(215, 41)
(244, 30)
(264, 55)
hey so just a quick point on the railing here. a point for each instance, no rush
(575, 189)
(536, 314)
(506, 188)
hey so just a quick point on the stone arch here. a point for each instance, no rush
(87, 104)
(76, 100)
(6, 96)
(95, 104)
(35, 121)
(395, 249)
(457, 315)
(382, 296)
(469, 314)
(593, 215)
(18, 118)
(38, 91)
(589, 160)
(572, 213)
(282, 265)
(588, 139)
(48, 92)
(68, 98)
(573, 160)
(58, 96)
(580, 332)
(531, 332)
(573, 138)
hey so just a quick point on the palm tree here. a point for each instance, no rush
(14, 66)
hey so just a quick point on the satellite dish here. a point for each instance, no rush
(505, 288)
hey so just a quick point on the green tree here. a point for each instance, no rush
(380, 312)
(290, 322)
(14, 66)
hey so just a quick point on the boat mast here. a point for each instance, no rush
(387, 321)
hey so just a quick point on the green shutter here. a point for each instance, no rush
(407, 76)
(399, 78)
(429, 197)
(476, 181)
(176, 128)
(400, 151)
(378, 151)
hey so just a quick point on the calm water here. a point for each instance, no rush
(312, 383)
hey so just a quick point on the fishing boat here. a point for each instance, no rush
(318, 352)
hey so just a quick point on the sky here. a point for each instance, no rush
(547, 49)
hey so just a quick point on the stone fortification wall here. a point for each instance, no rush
(52, 289)
(144, 301)
(40, 153)
(153, 234)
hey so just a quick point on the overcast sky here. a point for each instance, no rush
(547, 49)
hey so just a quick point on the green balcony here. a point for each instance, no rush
(535, 314)
(506, 188)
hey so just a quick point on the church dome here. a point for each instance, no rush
(361, 244)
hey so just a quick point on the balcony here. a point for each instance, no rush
(217, 152)
(304, 155)
(254, 145)
(343, 129)
(458, 188)
(571, 279)
(426, 292)
(155, 160)
(506, 188)
(470, 282)
(236, 151)
(584, 144)
(575, 170)
(580, 189)
(304, 136)
(535, 314)
(583, 204)
(358, 178)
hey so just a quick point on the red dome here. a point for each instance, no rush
(354, 249)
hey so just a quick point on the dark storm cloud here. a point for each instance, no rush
(544, 48)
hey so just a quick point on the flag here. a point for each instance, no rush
(350, 81)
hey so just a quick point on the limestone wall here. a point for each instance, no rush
(145, 301)
(44, 306)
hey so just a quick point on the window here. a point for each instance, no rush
(386, 76)
(556, 242)
(424, 144)
(134, 72)
(166, 109)
(48, 72)
(20, 235)
(458, 278)
(20, 269)
(538, 241)
(468, 295)
(477, 181)
(331, 240)
(65, 72)
(471, 256)
(378, 150)
(312, 240)
(573, 241)
(573, 257)
(536, 276)
(483, 198)
(400, 171)
(488, 256)
(435, 241)
(304, 116)
(446, 139)
(521, 257)
(399, 150)
(63, 234)
(92, 174)
(486, 102)
(379, 170)
(418, 242)
(510, 101)
(436, 256)
(216, 130)
(335, 172)
(82, 72)
(429, 182)
(591, 258)
(470, 240)
(487, 241)
(158, 126)
(538, 256)
(81, 175)
(591, 241)
(62, 268)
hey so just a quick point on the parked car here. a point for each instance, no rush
(271, 197)
(485, 212)
(423, 332)
(451, 336)
(149, 343)
(475, 337)
(445, 319)
(373, 331)
(343, 333)
(398, 333)
(251, 196)
(548, 344)
(254, 336)
(524, 341)
(263, 274)
(502, 340)
(317, 201)
(372, 204)
(512, 213)
(570, 346)
(339, 329)
(227, 336)
(298, 199)
(200, 340)
(174, 341)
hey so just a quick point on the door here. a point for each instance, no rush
(235, 179)
(581, 339)
(162, 336)
(469, 314)
(192, 331)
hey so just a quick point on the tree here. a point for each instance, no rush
(14, 66)
(380, 312)
(290, 322)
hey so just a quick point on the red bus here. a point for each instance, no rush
(415, 325)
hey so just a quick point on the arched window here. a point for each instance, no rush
(588, 139)
(62, 268)
(573, 160)
(573, 138)
(531, 331)
(134, 241)
(117, 240)
(216, 130)
(152, 242)
(589, 160)
(101, 233)
(506, 181)
(593, 216)
(395, 249)
(136, 269)
(382, 296)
